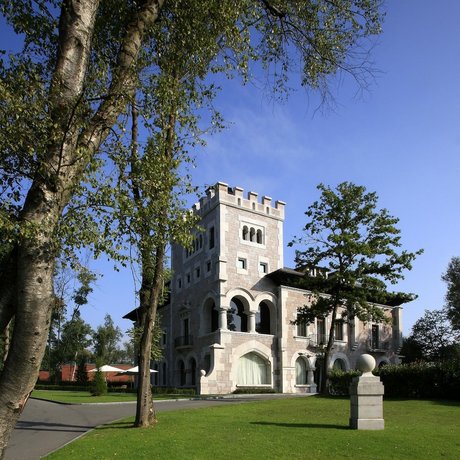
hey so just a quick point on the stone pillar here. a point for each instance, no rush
(252, 322)
(366, 397)
(223, 319)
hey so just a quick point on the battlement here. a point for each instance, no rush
(222, 193)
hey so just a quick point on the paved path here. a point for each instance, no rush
(45, 426)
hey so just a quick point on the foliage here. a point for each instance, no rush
(75, 339)
(253, 390)
(338, 382)
(359, 246)
(98, 385)
(452, 278)
(105, 339)
(82, 375)
(433, 336)
(135, 335)
(439, 380)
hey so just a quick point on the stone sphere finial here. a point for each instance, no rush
(365, 364)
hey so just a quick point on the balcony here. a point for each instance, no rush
(377, 346)
(183, 341)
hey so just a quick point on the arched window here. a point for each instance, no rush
(339, 365)
(259, 236)
(237, 321)
(192, 367)
(211, 317)
(201, 241)
(245, 233)
(252, 235)
(253, 370)
(263, 319)
(300, 371)
(182, 375)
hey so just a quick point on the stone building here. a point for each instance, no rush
(228, 322)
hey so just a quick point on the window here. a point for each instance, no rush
(321, 331)
(163, 338)
(300, 371)
(208, 266)
(338, 330)
(179, 283)
(163, 373)
(245, 233)
(301, 327)
(263, 267)
(252, 235)
(263, 319)
(242, 264)
(211, 238)
(259, 237)
(253, 370)
(197, 272)
(375, 337)
(182, 374)
(192, 364)
(189, 278)
(237, 321)
(339, 365)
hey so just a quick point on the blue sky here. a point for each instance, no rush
(400, 139)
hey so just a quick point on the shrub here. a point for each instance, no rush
(98, 385)
(338, 382)
(253, 390)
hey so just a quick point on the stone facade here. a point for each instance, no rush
(229, 320)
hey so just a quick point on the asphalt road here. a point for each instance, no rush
(46, 426)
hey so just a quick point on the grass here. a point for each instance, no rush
(297, 428)
(82, 396)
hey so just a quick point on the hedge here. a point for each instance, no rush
(415, 380)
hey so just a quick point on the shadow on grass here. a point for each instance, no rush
(116, 425)
(304, 425)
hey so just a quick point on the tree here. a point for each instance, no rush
(434, 336)
(452, 278)
(82, 374)
(359, 246)
(98, 384)
(75, 340)
(105, 340)
(64, 97)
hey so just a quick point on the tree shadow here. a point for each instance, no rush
(328, 426)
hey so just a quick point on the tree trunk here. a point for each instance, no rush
(327, 353)
(145, 411)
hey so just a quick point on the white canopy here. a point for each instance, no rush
(107, 368)
(134, 371)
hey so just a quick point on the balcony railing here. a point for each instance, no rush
(378, 345)
(183, 341)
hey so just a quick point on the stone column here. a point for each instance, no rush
(252, 322)
(223, 318)
(366, 397)
(311, 380)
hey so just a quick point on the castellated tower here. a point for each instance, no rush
(216, 283)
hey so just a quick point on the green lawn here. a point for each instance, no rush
(298, 428)
(81, 396)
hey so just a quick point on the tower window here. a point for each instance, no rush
(212, 241)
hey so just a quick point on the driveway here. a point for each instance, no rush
(46, 426)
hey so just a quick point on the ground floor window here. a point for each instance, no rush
(300, 372)
(339, 365)
(253, 370)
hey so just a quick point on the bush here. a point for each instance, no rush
(253, 390)
(98, 385)
(338, 382)
(439, 380)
